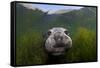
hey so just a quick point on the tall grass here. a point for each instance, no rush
(84, 46)
(29, 48)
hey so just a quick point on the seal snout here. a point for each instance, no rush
(58, 41)
(58, 38)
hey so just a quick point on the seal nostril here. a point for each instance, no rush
(61, 38)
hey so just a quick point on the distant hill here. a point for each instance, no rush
(30, 20)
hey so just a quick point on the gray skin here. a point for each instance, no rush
(58, 41)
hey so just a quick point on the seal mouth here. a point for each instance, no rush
(59, 45)
(58, 54)
(59, 51)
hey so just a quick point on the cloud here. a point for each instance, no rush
(29, 6)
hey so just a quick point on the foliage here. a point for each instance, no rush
(84, 47)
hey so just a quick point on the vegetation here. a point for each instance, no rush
(31, 24)
(84, 47)
(30, 49)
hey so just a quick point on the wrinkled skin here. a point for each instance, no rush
(58, 41)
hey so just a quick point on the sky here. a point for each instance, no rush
(50, 8)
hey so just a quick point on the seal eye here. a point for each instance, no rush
(49, 32)
(66, 32)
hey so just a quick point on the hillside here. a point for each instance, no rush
(28, 19)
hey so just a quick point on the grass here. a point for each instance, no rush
(84, 47)
(30, 48)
